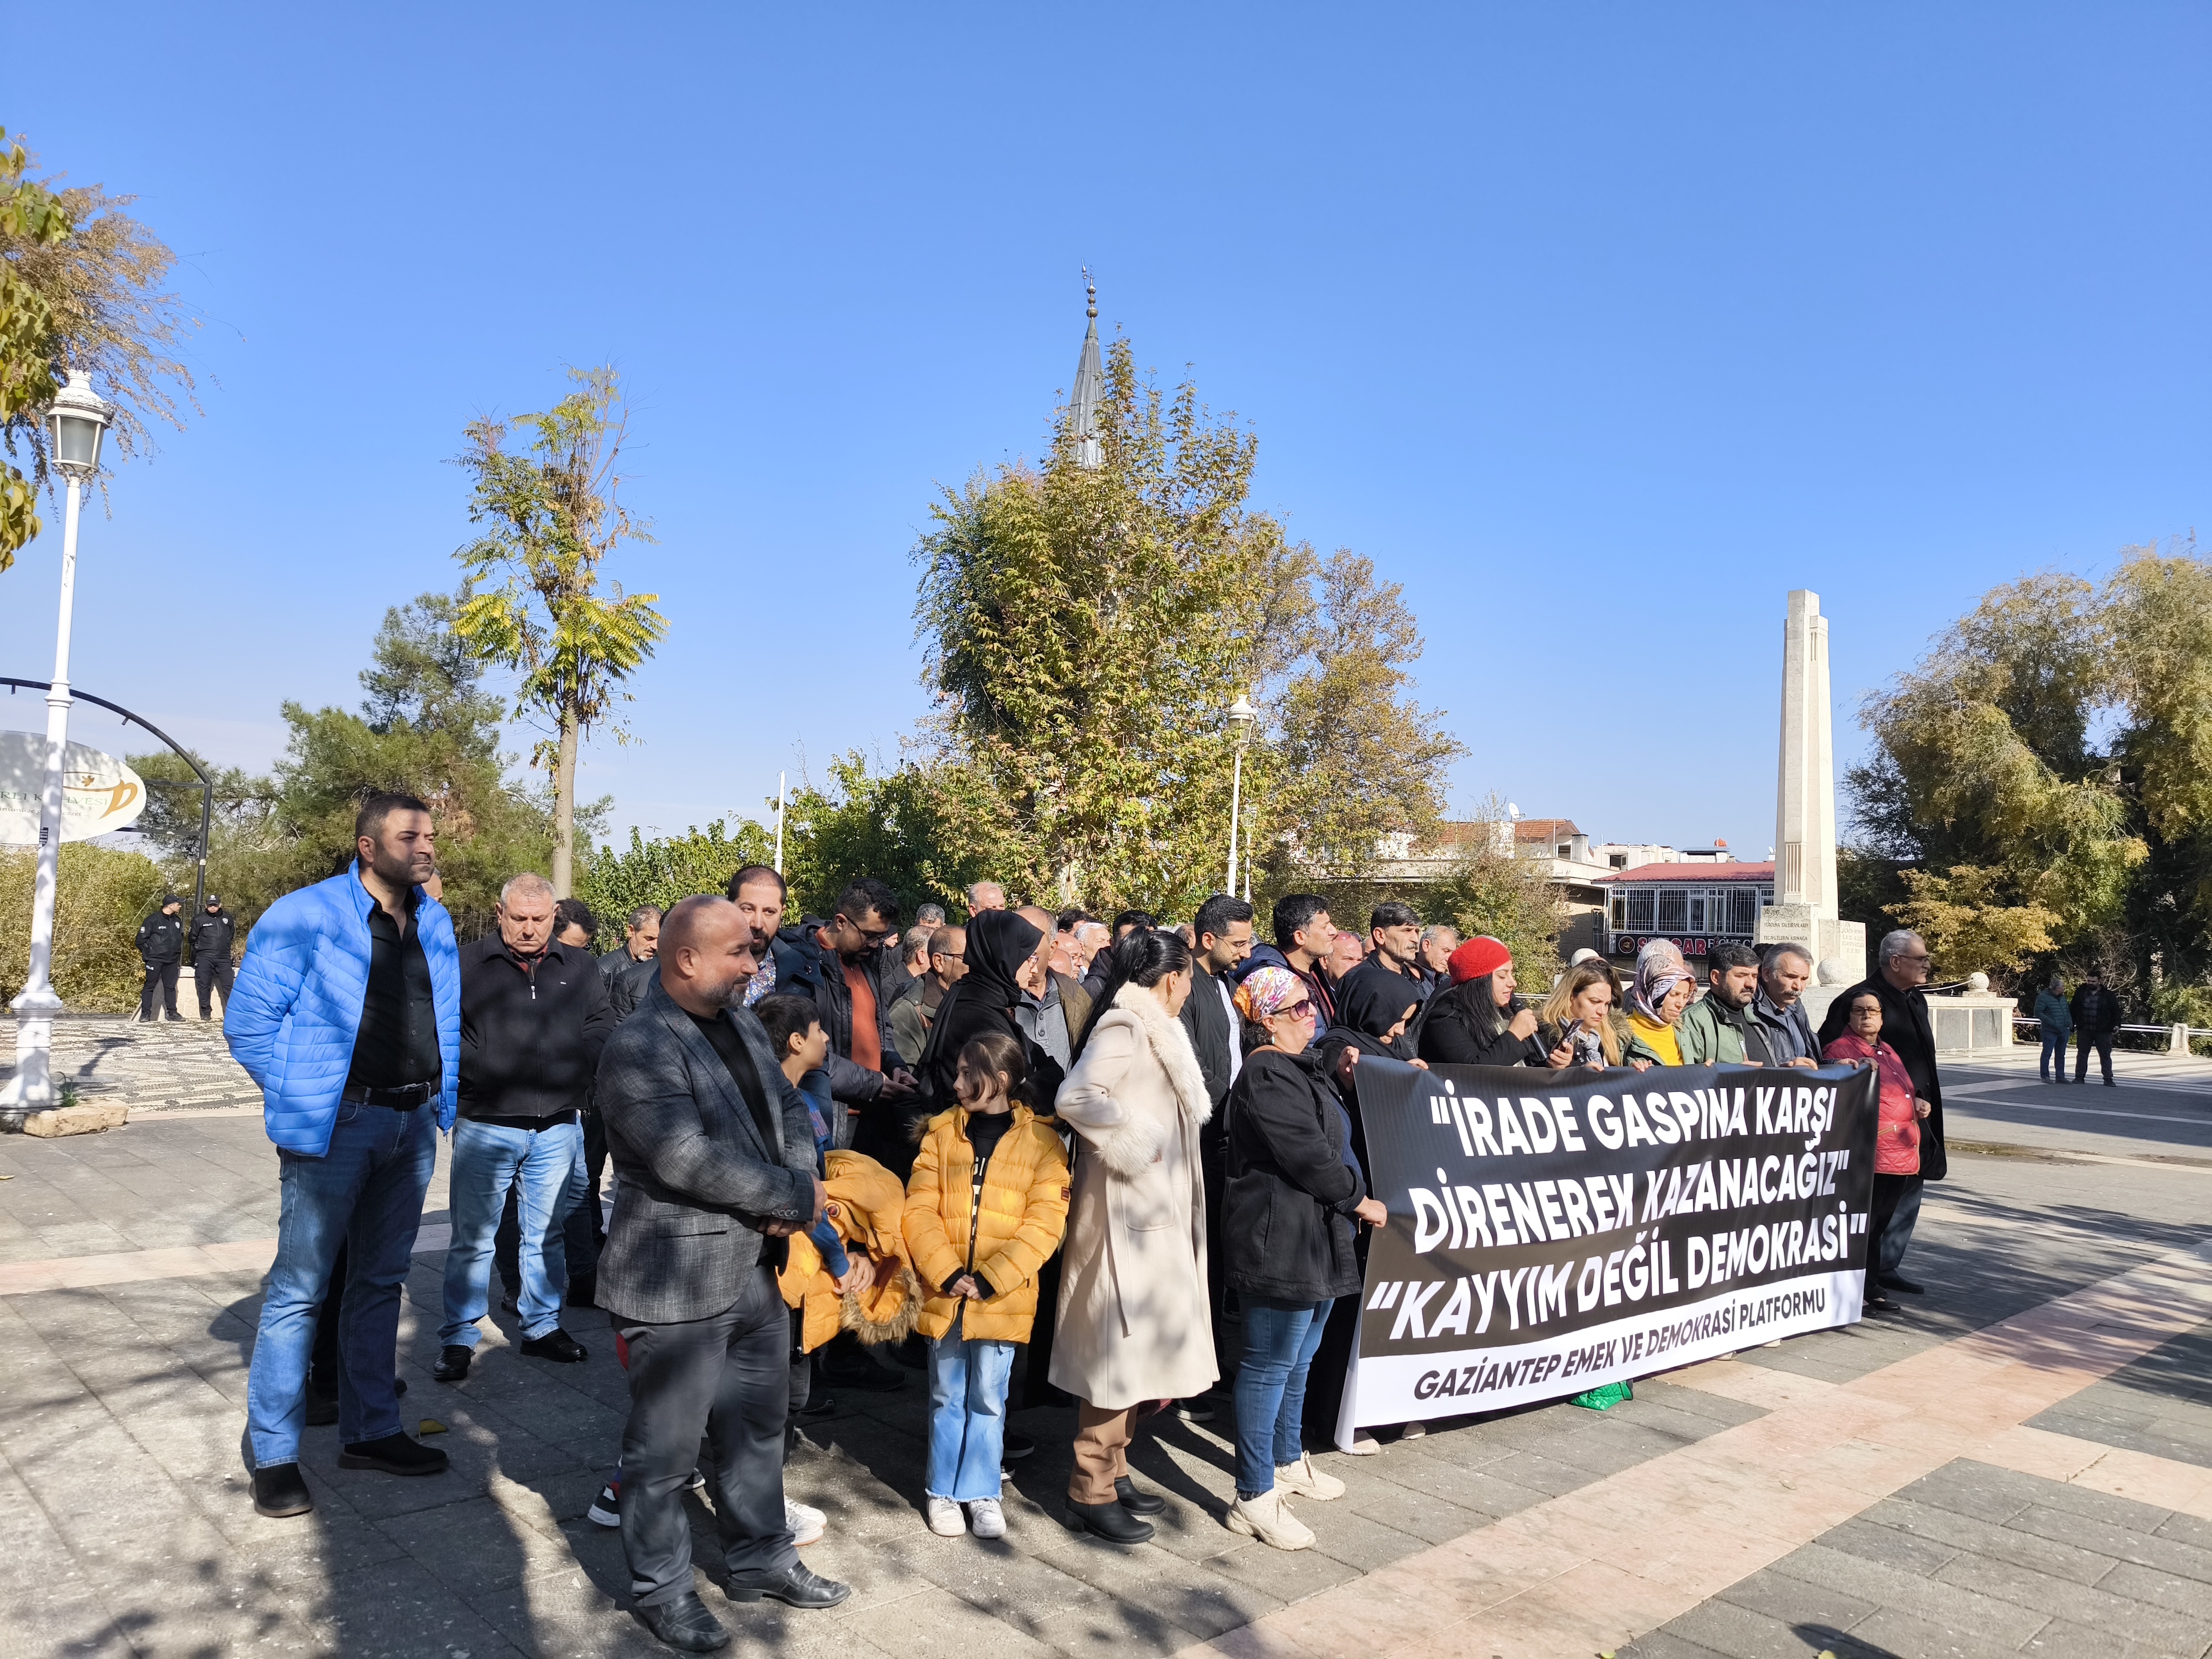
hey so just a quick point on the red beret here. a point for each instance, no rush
(1479, 956)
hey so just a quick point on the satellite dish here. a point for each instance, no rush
(1512, 812)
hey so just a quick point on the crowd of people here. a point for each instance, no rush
(1044, 1156)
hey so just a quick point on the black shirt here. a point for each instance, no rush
(985, 1131)
(397, 1043)
(739, 1065)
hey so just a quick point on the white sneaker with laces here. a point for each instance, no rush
(1305, 1480)
(986, 1519)
(1268, 1519)
(806, 1522)
(946, 1519)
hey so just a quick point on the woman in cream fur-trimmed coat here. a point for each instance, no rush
(1132, 1324)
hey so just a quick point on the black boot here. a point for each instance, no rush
(278, 1491)
(1110, 1521)
(395, 1454)
(1138, 1503)
(685, 1624)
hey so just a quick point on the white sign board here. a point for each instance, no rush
(99, 792)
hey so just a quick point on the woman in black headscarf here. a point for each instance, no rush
(984, 999)
(1374, 1011)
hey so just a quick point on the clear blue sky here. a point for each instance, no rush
(1599, 328)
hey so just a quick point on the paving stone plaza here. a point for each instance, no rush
(2021, 1463)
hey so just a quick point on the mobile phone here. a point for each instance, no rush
(1568, 1032)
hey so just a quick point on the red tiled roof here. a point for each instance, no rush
(1690, 874)
(1527, 832)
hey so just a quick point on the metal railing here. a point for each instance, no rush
(2174, 1039)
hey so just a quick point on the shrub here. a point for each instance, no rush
(101, 897)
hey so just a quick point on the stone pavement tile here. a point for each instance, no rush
(1020, 1588)
(475, 1546)
(1477, 1491)
(1961, 1532)
(1662, 1402)
(567, 1616)
(2137, 1544)
(1665, 1644)
(32, 1620)
(2188, 1596)
(1722, 1627)
(2082, 1604)
(1290, 1575)
(1966, 1487)
(2061, 1640)
(936, 1624)
(1574, 1461)
(1435, 1520)
(1877, 1585)
(2189, 1528)
(398, 1610)
(1891, 1547)
(1778, 1595)
(1890, 1634)
(1155, 1581)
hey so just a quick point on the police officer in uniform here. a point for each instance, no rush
(161, 948)
(213, 930)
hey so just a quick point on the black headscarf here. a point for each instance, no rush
(1372, 1000)
(982, 999)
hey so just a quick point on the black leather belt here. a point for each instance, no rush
(405, 1098)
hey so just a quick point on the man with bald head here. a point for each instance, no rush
(714, 1152)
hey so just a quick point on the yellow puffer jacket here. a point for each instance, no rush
(1018, 1222)
(865, 1204)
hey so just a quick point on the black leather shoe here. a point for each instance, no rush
(394, 1455)
(798, 1585)
(685, 1624)
(1880, 1303)
(278, 1491)
(452, 1363)
(1899, 1282)
(556, 1343)
(1110, 1521)
(584, 1290)
(818, 1406)
(1138, 1503)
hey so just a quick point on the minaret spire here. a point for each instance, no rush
(1089, 386)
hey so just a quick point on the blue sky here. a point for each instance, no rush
(1599, 328)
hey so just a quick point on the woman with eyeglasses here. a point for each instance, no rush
(1294, 1198)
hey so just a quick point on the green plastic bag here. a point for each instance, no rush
(1605, 1399)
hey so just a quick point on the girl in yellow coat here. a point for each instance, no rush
(984, 1210)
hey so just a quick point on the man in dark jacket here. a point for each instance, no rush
(1900, 969)
(842, 964)
(1303, 936)
(2096, 1020)
(1777, 1033)
(641, 938)
(161, 950)
(1394, 934)
(1223, 926)
(213, 934)
(534, 1016)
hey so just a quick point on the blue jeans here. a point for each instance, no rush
(967, 1416)
(488, 1159)
(365, 1193)
(2054, 1052)
(1280, 1340)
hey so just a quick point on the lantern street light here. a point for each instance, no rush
(74, 423)
(1242, 717)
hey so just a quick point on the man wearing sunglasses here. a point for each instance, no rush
(849, 965)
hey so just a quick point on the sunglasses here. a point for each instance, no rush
(1298, 1011)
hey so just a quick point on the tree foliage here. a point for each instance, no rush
(2053, 752)
(569, 633)
(32, 221)
(100, 895)
(662, 870)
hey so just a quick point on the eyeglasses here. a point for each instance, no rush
(1299, 1011)
(950, 955)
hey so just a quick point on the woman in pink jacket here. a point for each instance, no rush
(1897, 1140)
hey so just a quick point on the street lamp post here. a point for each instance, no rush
(74, 423)
(1242, 717)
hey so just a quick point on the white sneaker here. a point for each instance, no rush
(1363, 1444)
(986, 1519)
(805, 1523)
(1268, 1519)
(1302, 1480)
(946, 1519)
(1413, 1431)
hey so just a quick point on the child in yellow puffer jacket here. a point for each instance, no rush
(986, 1208)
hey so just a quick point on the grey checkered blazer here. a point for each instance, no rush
(696, 1180)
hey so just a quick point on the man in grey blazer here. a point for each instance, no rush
(716, 1155)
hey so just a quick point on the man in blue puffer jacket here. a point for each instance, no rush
(348, 1014)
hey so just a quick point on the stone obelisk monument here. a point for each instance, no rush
(1804, 910)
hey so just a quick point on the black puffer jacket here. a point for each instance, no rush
(1450, 1036)
(1287, 1214)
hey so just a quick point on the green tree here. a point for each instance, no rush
(1968, 928)
(1492, 891)
(1356, 758)
(570, 634)
(662, 870)
(100, 895)
(30, 342)
(924, 831)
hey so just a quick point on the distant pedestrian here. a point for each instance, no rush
(913, 957)
(1438, 940)
(985, 896)
(575, 925)
(161, 952)
(929, 915)
(912, 1018)
(640, 939)
(2054, 1019)
(1346, 953)
(2096, 1013)
(534, 1016)
(347, 1016)
(213, 935)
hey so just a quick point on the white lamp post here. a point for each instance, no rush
(74, 423)
(1242, 717)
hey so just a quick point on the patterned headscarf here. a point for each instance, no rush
(1269, 991)
(1659, 968)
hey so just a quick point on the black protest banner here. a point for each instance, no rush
(1551, 1232)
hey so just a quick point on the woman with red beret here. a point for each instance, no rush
(1482, 1020)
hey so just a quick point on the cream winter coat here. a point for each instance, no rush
(1132, 1323)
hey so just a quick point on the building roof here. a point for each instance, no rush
(1089, 388)
(1532, 831)
(1691, 875)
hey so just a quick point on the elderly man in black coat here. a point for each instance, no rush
(1900, 969)
(715, 1150)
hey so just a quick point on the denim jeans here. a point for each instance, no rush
(572, 1249)
(967, 1416)
(488, 1159)
(365, 1193)
(2054, 1052)
(1281, 1339)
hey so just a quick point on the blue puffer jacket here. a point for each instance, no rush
(295, 1012)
